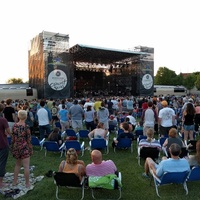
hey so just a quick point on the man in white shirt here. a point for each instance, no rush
(166, 119)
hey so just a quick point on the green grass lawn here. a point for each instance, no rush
(134, 185)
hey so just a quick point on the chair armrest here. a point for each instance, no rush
(42, 141)
(120, 176)
(62, 146)
(83, 180)
(82, 145)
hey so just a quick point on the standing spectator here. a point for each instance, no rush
(129, 104)
(44, 117)
(110, 107)
(166, 119)
(4, 146)
(97, 104)
(102, 115)
(149, 118)
(76, 114)
(30, 118)
(50, 103)
(63, 117)
(89, 116)
(21, 147)
(197, 116)
(188, 122)
(54, 113)
(9, 113)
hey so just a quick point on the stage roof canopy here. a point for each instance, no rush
(92, 54)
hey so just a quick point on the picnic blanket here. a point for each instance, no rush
(20, 189)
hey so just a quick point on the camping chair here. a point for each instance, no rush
(111, 182)
(99, 143)
(53, 147)
(68, 180)
(194, 174)
(171, 178)
(113, 128)
(124, 143)
(83, 133)
(79, 147)
(36, 142)
(144, 152)
(71, 134)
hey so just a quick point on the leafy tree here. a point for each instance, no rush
(189, 81)
(15, 81)
(165, 76)
(197, 82)
(178, 80)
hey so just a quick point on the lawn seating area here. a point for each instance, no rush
(134, 185)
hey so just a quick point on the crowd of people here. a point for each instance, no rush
(176, 118)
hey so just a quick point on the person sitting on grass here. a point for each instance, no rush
(72, 164)
(173, 164)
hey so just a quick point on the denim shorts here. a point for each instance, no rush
(188, 127)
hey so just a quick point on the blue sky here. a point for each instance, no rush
(170, 27)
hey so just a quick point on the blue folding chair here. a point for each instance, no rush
(79, 147)
(194, 174)
(53, 146)
(171, 178)
(71, 133)
(83, 133)
(124, 143)
(36, 142)
(99, 143)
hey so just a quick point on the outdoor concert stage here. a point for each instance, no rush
(60, 72)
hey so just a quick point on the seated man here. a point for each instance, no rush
(99, 167)
(173, 164)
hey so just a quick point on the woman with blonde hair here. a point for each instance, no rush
(72, 164)
(21, 147)
(150, 141)
(194, 160)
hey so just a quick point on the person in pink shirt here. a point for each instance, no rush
(100, 167)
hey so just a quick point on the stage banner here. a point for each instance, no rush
(57, 80)
(146, 80)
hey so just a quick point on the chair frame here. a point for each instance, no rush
(171, 178)
(36, 142)
(70, 181)
(118, 188)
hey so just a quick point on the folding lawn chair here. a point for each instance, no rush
(68, 180)
(171, 178)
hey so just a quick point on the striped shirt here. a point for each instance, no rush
(106, 167)
(153, 143)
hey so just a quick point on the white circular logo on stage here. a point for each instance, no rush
(57, 79)
(147, 81)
